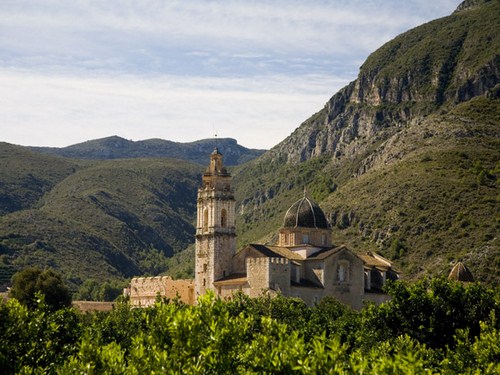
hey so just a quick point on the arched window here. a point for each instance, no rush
(223, 218)
(205, 220)
(343, 271)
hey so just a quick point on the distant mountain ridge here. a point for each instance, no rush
(115, 147)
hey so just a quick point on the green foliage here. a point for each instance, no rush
(481, 354)
(430, 311)
(30, 281)
(260, 336)
(92, 290)
(36, 338)
(397, 248)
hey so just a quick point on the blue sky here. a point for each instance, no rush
(72, 71)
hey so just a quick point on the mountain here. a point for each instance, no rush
(119, 148)
(405, 158)
(103, 220)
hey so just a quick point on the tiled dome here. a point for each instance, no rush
(461, 273)
(305, 213)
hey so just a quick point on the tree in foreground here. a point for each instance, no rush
(26, 283)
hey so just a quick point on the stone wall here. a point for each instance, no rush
(311, 296)
(257, 275)
(377, 298)
(265, 274)
(145, 290)
(295, 236)
(349, 291)
(86, 306)
(279, 275)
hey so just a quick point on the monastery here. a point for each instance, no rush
(303, 263)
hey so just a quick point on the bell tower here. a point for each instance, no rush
(215, 226)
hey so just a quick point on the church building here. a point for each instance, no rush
(303, 263)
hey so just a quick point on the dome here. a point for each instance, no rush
(461, 273)
(305, 213)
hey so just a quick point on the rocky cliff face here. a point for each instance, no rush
(424, 70)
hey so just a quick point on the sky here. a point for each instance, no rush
(76, 70)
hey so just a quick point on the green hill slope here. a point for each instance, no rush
(25, 176)
(437, 202)
(106, 220)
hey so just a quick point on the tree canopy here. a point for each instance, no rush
(432, 326)
(26, 284)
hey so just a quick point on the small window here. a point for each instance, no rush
(323, 239)
(305, 238)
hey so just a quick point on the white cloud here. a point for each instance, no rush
(77, 70)
(259, 111)
(244, 27)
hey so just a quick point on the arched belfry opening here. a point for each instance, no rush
(223, 218)
(205, 220)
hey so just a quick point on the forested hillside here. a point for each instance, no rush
(101, 220)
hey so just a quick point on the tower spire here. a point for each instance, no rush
(215, 136)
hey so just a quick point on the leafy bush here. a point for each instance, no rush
(433, 326)
(30, 281)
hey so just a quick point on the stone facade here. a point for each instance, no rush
(215, 227)
(144, 291)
